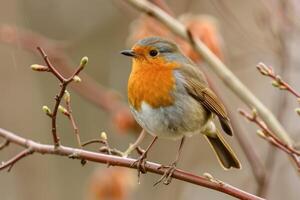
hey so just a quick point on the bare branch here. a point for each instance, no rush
(268, 135)
(51, 68)
(32, 146)
(58, 98)
(69, 113)
(104, 98)
(4, 144)
(93, 141)
(260, 172)
(10, 163)
(277, 80)
(135, 144)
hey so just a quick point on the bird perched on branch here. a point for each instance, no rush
(170, 98)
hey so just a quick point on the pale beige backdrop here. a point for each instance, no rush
(98, 29)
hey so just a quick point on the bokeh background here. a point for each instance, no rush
(246, 32)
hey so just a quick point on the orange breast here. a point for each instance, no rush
(151, 83)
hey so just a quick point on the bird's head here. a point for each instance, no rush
(155, 51)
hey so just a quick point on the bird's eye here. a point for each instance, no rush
(153, 53)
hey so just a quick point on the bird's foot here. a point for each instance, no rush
(140, 164)
(167, 176)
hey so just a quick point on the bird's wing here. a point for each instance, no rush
(196, 86)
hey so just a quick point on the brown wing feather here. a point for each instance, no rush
(207, 98)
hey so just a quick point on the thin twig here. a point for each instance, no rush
(10, 163)
(64, 83)
(4, 144)
(71, 118)
(57, 97)
(102, 97)
(125, 162)
(277, 80)
(105, 148)
(52, 69)
(268, 135)
(282, 33)
(93, 141)
(135, 144)
(110, 151)
(254, 158)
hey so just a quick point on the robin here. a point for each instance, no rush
(170, 98)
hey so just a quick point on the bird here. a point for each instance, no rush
(170, 98)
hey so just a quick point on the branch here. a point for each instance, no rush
(208, 182)
(219, 68)
(260, 172)
(4, 144)
(10, 163)
(64, 83)
(282, 33)
(135, 144)
(277, 80)
(69, 114)
(268, 135)
(102, 97)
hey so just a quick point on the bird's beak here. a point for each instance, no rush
(130, 53)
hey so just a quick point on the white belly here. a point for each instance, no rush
(184, 118)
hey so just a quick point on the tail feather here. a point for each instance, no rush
(226, 126)
(225, 154)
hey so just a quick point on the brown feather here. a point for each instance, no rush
(225, 154)
(196, 87)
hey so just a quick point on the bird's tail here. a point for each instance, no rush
(225, 154)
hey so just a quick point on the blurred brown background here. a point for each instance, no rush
(252, 31)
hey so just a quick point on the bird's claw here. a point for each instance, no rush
(167, 176)
(140, 164)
